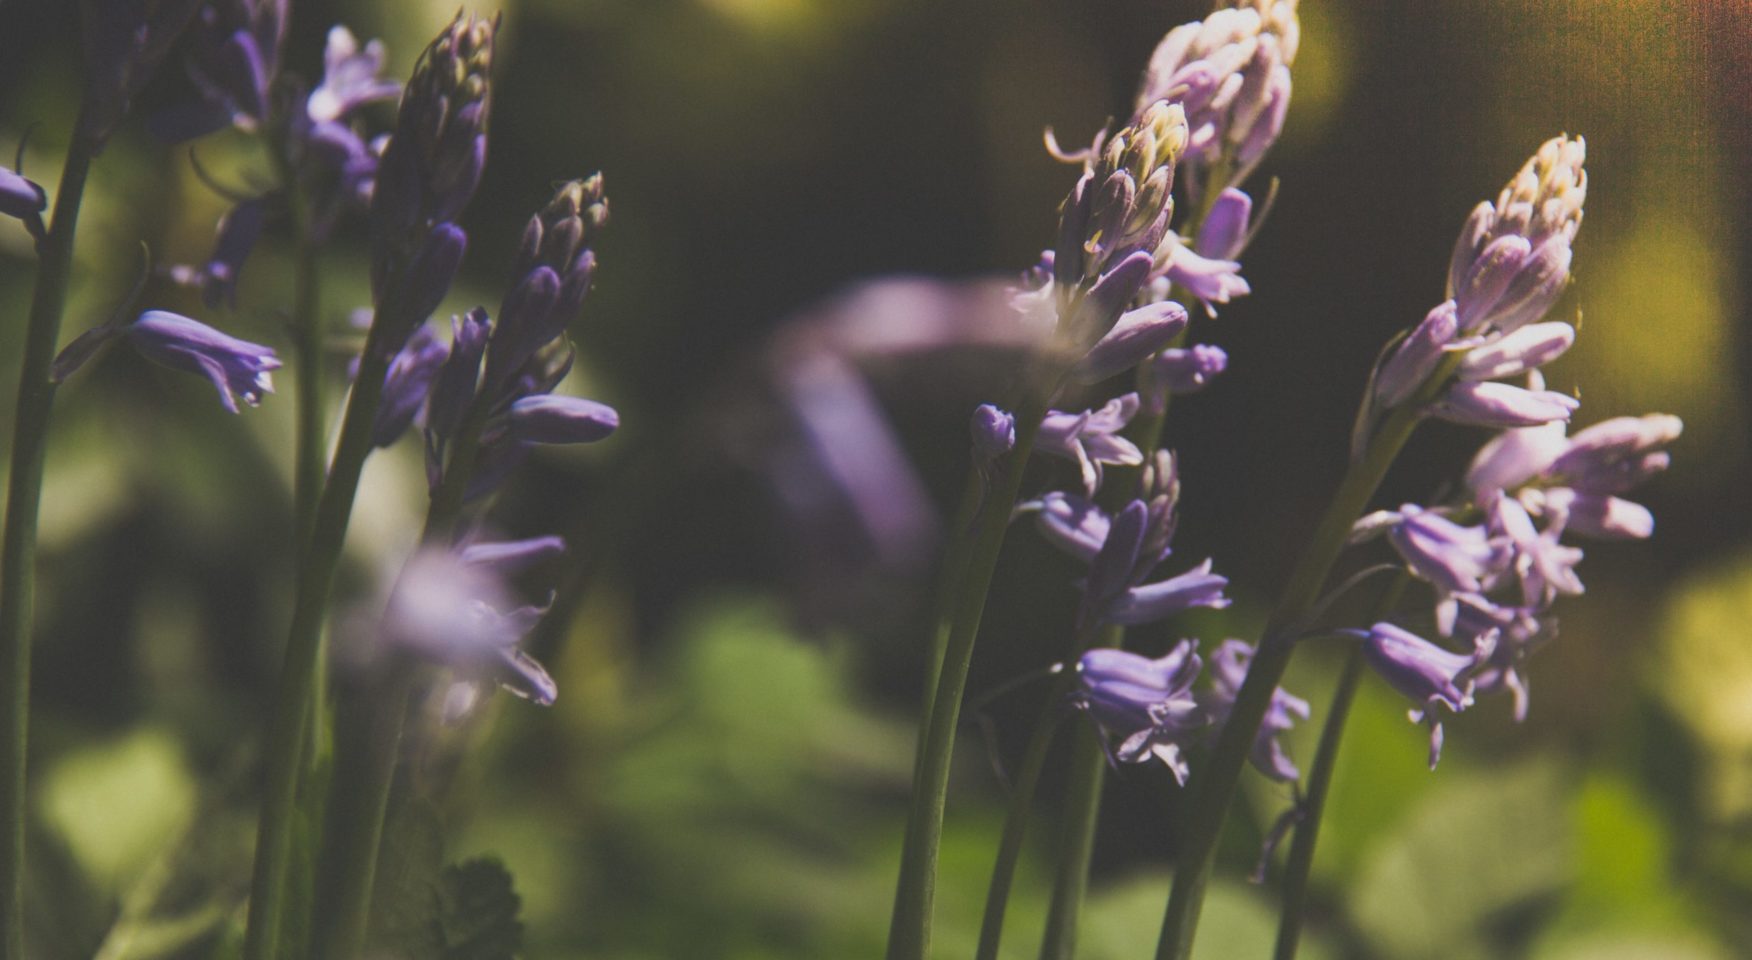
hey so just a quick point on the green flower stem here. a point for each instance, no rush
(292, 703)
(360, 804)
(909, 935)
(1082, 809)
(1216, 783)
(1301, 856)
(991, 928)
(30, 433)
(954, 569)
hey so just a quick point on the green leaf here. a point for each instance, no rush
(477, 918)
(405, 900)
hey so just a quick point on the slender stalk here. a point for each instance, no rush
(1217, 783)
(954, 568)
(1082, 807)
(361, 798)
(36, 397)
(991, 928)
(909, 933)
(1301, 856)
(292, 702)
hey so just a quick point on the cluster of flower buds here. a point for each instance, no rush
(1149, 709)
(429, 171)
(1509, 267)
(1231, 72)
(504, 371)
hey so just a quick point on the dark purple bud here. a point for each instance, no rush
(1111, 572)
(236, 367)
(454, 390)
(21, 199)
(1500, 405)
(1189, 370)
(1416, 357)
(407, 384)
(1136, 335)
(554, 419)
(424, 286)
(994, 433)
(1095, 311)
(1488, 278)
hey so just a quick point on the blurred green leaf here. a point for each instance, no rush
(404, 898)
(117, 804)
(1124, 920)
(1705, 676)
(1475, 847)
(477, 919)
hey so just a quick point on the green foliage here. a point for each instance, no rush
(477, 912)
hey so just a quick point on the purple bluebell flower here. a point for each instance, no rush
(1137, 334)
(1416, 357)
(1182, 371)
(1452, 558)
(124, 41)
(1545, 567)
(407, 384)
(994, 433)
(454, 389)
(1514, 457)
(1146, 705)
(1493, 404)
(1598, 515)
(1228, 671)
(1615, 455)
(23, 200)
(1121, 205)
(1231, 72)
(459, 615)
(351, 77)
(1512, 259)
(1513, 354)
(1228, 228)
(237, 368)
(239, 232)
(548, 418)
(1091, 438)
(1518, 631)
(1150, 602)
(1425, 673)
(1071, 523)
(1211, 280)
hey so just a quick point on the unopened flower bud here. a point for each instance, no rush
(1528, 348)
(1512, 259)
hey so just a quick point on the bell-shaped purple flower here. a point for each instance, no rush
(237, 368)
(1136, 335)
(1545, 567)
(1598, 515)
(1424, 673)
(1514, 457)
(1091, 438)
(1492, 404)
(23, 200)
(1228, 227)
(351, 77)
(1212, 281)
(1146, 705)
(459, 615)
(1513, 354)
(406, 386)
(1072, 524)
(1615, 455)
(1182, 371)
(547, 418)
(1150, 602)
(1228, 671)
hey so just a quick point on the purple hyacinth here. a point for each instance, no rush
(1146, 705)
(1512, 259)
(23, 200)
(1425, 673)
(1493, 404)
(1092, 438)
(1181, 371)
(994, 433)
(1228, 671)
(351, 78)
(407, 384)
(554, 419)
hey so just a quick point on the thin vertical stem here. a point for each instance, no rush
(1301, 856)
(298, 675)
(1082, 806)
(991, 928)
(36, 397)
(1216, 784)
(909, 935)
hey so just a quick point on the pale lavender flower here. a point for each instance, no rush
(1492, 404)
(1614, 455)
(1228, 671)
(459, 615)
(1182, 371)
(1454, 559)
(1228, 228)
(1416, 357)
(1514, 457)
(548, 418)
(1513, 354)
(1091, 438)
(1121, 552)
(1598, 515)
(1071, 523)
(1137, 334)
(1518, 632)
(1425, 673)
(23, 200)
(1212, 281)
(1545, 567)
(351, 77)
(1146, 705)
(1512, 259)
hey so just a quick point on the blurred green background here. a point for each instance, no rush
(725, 771)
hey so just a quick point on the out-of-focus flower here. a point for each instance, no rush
(555, 419)
(406, 385)
(1493, 404)
(1513, 354)
(1512, 259)
(1425, 673)
(1416, 357)
(351, 77)
(1544, 566)
(239, 231)
(23, 200)
(1092, 438)
(1182, 371)
(459, 615)
(1228, 671)
(550, 278)
(1146, 705)
(1231, 72)
(124, 42)
(237, 368)
(994, 433)
(509, 556)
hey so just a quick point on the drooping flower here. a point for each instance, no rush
(23, 200)
(1181, 371)
(547, 418)
(237, 368)
(1493, 404)
(1092, 438)
(351, 77)
(1146, 706)
(1425, 673)
(1545, 567)
(1228, 671)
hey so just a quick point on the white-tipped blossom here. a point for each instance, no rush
(1512, 259)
